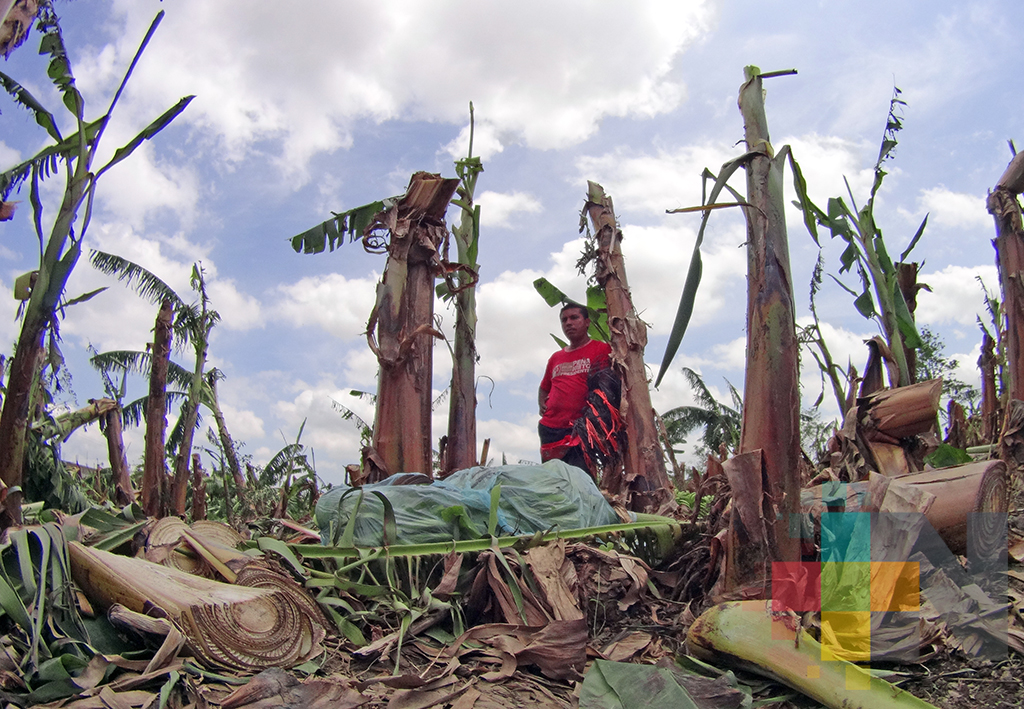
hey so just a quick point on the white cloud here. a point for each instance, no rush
(956, 295)
(826, 161)
(668, 179)
(486, 142)
(360, 367)
(8, 156)
(338, 305)
(142, 187)
(953, 209)
(657, 260)
(517, 440)
(238, 310)
(497, 208)
(244, 425)
(513, 326)
(335, 440)
(260, 72)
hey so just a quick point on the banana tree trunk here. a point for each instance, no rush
(23, 378)
(1009, 242)
(990, 409)
(190, 415)
(461, 446)
(124, 494)
(402, 320)
(154, 474)
(63, 425)
(643, 470)
(771, 394)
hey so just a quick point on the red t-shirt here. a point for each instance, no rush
(565, 380)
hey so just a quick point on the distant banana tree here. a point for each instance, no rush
(73, 155)
(193, 324)
(720, 424)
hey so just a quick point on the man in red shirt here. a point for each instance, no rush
(563, 391)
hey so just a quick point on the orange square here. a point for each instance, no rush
(895, 586)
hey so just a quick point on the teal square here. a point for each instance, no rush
(846, 537)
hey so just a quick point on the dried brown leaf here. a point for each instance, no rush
(276, 689)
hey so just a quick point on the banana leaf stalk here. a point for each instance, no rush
(748, 635)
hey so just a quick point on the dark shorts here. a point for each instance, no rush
(572, 455)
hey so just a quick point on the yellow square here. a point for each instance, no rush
(895, 586)
(813, 671)
(846, 636)
(856, 678)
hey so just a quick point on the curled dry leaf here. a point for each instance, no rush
(276, 689)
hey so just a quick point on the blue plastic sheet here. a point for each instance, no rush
(533, 498)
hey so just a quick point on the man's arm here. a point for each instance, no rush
(542, 399)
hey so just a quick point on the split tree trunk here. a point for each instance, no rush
(124, 494)
(750, 543)
(154, 474)
(902, 412)
(947, 497)
(960, 492)
(771, 392)
(402, 320)
(643, 474)
(1009, 242)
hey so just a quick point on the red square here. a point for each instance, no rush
(796, 586)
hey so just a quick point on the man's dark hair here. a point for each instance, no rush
(575, 306)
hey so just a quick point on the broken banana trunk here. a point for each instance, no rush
(748, 635)
(225, 625)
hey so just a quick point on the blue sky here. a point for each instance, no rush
(298, 114)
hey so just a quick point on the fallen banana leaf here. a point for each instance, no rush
(558, 648)
(621, 685)
(747, 635)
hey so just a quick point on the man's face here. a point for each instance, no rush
(574, 325)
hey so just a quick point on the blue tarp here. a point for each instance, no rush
(533, 498)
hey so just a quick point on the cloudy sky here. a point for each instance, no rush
(301, 113)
